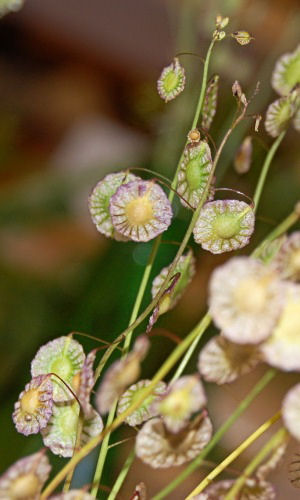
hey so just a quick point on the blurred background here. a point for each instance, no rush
(78, 100)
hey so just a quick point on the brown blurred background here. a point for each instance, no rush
(78, 100)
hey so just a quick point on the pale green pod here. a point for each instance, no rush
(210, 102)
(171, 81)
(286, 73)
(280, 113)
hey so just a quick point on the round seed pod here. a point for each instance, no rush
(224, 225)
(253, 489)
(280, 113)
(242, 37)
(171, 81)
(286, 73)
(194, 173)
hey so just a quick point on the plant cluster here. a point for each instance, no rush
(253, 300)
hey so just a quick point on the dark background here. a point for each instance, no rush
(78, 100)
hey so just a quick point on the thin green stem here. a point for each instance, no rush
(230, 458)
(262, 383)
(271, 445)
(76, 448)
(186, 357)
(265, 169)
(122, 475)
(102, 454)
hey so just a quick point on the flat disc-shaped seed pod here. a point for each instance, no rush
(146, 410)
(73, 495)
(253, 489)
(194, 173)
(224, 225)
(186, 267)
(291, 411)
(210, 103)
(171, 81)
(286, 73)
(99, 202)
(280, 112)
(287, 259)
(222, 362)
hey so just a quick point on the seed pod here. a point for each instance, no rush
(242, 160)
(210, 103)
(194, 136)
(194, 173)
(221, 22)
(218, 35)
(280, 112)
(286, 74)
(171, 81)
(294, 470)
(253, 489)
(242, 37)
(291, 411)
(7, 6)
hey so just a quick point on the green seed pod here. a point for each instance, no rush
(242, 37)
(194, 173)
(7, 6)
(242, 160)
(171, 81)
(210, 102)
(280, 112)
(286, 73)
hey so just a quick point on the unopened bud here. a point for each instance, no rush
(221, 22)
(194, 135)
(242, 37)
(238, 93)
(258, 119)
(218, 35)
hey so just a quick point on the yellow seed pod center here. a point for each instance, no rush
(30, 401)
(24, 487)
(164, 304)
(251, 295)
(176, 404)
(139, 211)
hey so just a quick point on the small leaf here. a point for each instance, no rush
(210, 102)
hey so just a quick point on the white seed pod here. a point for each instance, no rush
(245, 300)
(210, 103)
(184, 397)
(160, 449)
(140, 210)
(280, 113)
(282, 348)
(243, 157)
(222, 362)
(99, 202)
(194, 173)
(146, 410)
(287, 259)
(63, 356)
(291, 411)
(7, 6)
(253, 489)
(25, 478)
(224, 225)
(73, 495)
(171, 81)
(60, 434)
(286, 73)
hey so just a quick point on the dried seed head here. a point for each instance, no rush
(121, 374)
(63, 356)
(186, 267)
(245, 299)
(184, 397)
(7, 6)
(291, 411)
(242, 160)
(282, 348)
(86, 383)
(34, 406)
(140, 210)
(222, 362)
(160, 449)
(253, 489)
(238, 93)
(210, 102)
(221, 22)
(194, 135)
(287, 259)
(224, 225)
(99, 202)
(242, 37)
(286, 73)
(280, 112)
(60, 433)
(258, 119)
(171, 81)
(194, 173)
(25, 479)
(146, 410)
(73, 495)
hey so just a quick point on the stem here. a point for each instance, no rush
(265, 169)
(76, 448)
(162, 372)
(186, 358)
(122, 475)
(203, 88)
(273, 443)
(102, 454)
(262, 383)
(238, 451)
